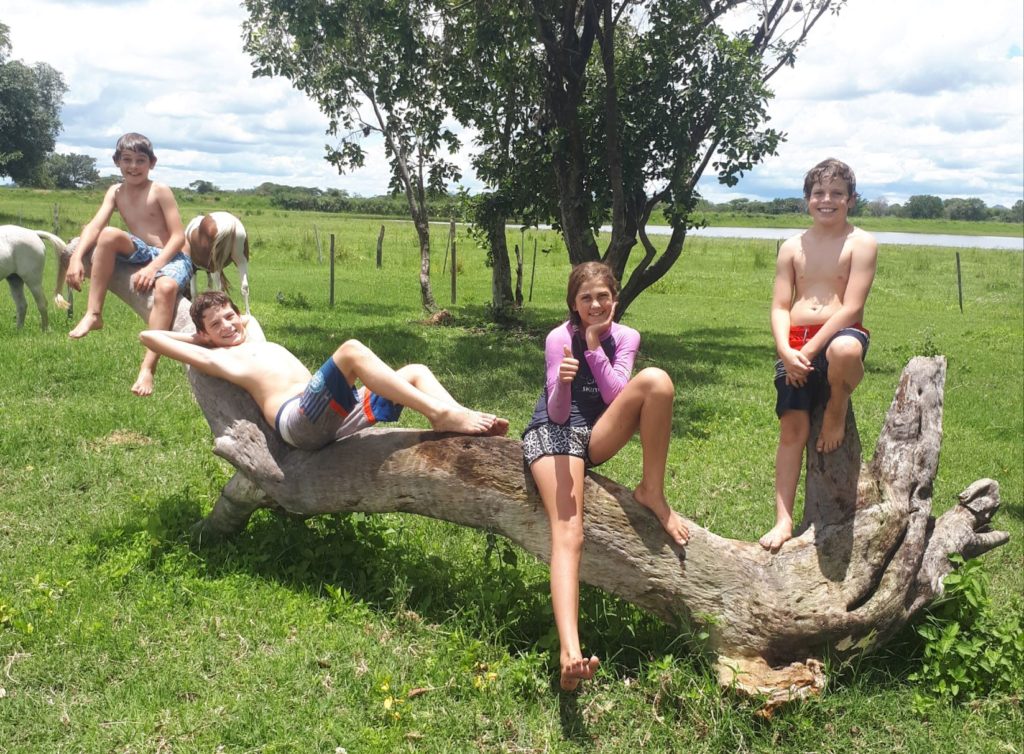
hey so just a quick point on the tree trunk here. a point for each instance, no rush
(426, 291)
(501, 266)
(868, 556)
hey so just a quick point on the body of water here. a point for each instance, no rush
(1009, 243)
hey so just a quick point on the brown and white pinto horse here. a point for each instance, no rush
(215, 240)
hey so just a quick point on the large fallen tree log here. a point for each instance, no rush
(868, 556)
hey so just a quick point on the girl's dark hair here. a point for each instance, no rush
(584, 273)
(133, 142)
(827, 169)
(209, 300)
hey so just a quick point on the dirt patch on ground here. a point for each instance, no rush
(121, 438)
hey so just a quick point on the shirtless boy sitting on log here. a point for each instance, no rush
(310, 411)
(822, 279)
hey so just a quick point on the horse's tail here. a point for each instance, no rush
(63, 260)
(223, 243)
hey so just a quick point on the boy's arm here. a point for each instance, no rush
(145, 277)
(863, 262)
(185, 348)
(87, 238)
(797, 365)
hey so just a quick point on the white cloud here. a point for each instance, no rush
(919, 96)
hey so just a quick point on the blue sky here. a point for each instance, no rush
(919, 96)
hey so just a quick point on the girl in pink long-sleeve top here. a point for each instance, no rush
(588, 411)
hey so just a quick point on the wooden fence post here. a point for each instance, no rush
(533, 269)
(959, 284)
(332, 270)
(454, 271)
(380, 247)
(319, 251)
(519, 275)
(451, 240)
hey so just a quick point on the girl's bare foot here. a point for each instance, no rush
(779, 535)
(577, 669)
(143, 383)
(87, 324)
(670, 521)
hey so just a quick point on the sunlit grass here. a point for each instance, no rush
(394, 633)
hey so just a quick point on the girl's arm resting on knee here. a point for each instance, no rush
(611, 377)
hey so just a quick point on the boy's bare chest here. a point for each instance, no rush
(821, 264)
(139, 209)
(271, 358)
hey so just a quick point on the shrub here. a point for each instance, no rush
(968, 652)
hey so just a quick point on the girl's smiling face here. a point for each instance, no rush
(593, 303)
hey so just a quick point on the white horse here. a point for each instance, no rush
(22, 254)
(216, 240)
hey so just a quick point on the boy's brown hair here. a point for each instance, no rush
(209, 300)
(828, 169)
(584, 273)
(133, 142)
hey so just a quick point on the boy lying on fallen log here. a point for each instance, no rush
(308, 410)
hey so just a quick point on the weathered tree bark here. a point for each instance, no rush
(868, 556)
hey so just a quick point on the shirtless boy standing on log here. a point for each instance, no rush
(822, 280)
(310, 411)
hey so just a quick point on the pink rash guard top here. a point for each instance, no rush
(601, 377)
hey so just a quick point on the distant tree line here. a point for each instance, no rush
(919, 206)
(442, 205)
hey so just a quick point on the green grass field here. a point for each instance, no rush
(393, 633)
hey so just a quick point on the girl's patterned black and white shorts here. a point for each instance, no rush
(556, 440)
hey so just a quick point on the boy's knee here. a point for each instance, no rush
(794, 428)
(845, 351)
(165, 289)
(350, 352)
(412, 372)
(112, 237)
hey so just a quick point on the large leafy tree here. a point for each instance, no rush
(368, 64)
(71, 171)
(923, 206)
(30, 102)
(608, 110)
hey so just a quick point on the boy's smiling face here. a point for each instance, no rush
(135, 166)
(830, 201)
(222, 327)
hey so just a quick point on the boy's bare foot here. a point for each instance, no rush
(833, 426)
(87, 324)
(499, 427)
(143, 383)
(671, 521)
(578, 669)
(468, 422)
(779, 535)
